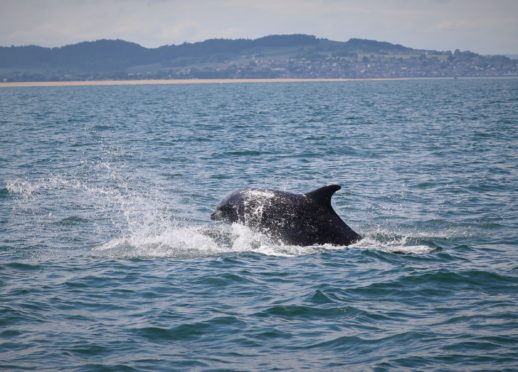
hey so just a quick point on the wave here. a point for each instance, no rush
(21, 187)
(145, 225)
(4, 192)
(194, 241)
(200, 241)
(72, 220)
(395, 243)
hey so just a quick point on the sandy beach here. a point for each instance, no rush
(168, 82)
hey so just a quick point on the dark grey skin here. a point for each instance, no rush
(294, 219)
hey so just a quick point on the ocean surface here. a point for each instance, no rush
(109, 259)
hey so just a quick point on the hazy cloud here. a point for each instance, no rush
(478, 25)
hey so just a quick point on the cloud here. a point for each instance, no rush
(482, 26)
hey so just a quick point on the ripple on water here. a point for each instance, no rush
(108, 259)
(209, 328)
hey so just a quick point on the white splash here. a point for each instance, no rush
(396, 245)
(28, 188)
(141, 226)
(185, 242)
(189, 242)
(179, 242)
(259, 194)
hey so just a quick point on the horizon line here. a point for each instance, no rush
(112, 82)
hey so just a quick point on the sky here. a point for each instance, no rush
(481, 26)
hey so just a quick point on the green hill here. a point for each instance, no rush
(272, 56)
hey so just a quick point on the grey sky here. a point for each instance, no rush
(487, 27)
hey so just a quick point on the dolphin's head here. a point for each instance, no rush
(227, 210)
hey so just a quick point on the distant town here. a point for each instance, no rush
(276, 56)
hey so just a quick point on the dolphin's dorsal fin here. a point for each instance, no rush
(323, 195)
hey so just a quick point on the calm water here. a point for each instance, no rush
(109, 260)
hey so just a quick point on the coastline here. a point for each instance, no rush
(18, 84)
(77, 83)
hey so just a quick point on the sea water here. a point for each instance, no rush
(109, 260)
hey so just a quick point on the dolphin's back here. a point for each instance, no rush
(298, 219)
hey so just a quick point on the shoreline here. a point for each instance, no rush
(76, 83)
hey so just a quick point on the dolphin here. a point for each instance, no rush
(294, 219)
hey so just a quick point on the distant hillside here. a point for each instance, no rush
(273, 56)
